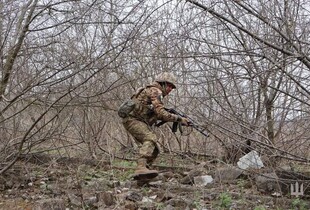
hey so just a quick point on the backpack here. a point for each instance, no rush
(129, 105)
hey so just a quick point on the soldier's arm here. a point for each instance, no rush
(159, 109)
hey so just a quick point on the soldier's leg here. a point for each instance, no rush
(149, 150)
(152, 151)
(144, 135)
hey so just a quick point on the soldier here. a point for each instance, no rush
(148, 109)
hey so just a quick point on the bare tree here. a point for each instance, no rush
(58, 66)
(261, 53)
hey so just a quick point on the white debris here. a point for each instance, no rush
(202, 181)
(250, 160)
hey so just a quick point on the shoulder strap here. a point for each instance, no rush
(139, 90)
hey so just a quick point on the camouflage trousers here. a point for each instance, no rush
(144, 136)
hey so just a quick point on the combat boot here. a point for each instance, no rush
(142, 172)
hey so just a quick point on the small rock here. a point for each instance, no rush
(268, 182)
(168, 174)
(169, 207)
(75, 200)
(226, 174)
(106, 198)
(114, 184)
(178, 203)
(130, 205)
(55, 204)
(189, 179)
(90, 201)
(134, 196)
(202, 181)
(100, 184)
(147, 200)
(156, 183)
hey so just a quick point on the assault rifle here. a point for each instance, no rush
(177, 125)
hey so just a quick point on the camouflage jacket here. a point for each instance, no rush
(149, 105)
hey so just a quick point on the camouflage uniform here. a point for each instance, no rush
(149, 109)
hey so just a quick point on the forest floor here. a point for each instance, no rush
(47, 183)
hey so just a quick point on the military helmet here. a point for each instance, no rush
(166, 77)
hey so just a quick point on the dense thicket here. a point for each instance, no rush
(242, 69)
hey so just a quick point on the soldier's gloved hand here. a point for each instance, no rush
(185, 121)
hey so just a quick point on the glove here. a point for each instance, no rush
(185, 121)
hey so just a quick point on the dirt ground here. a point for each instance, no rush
(107, 184)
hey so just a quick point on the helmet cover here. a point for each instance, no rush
(166, 77)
